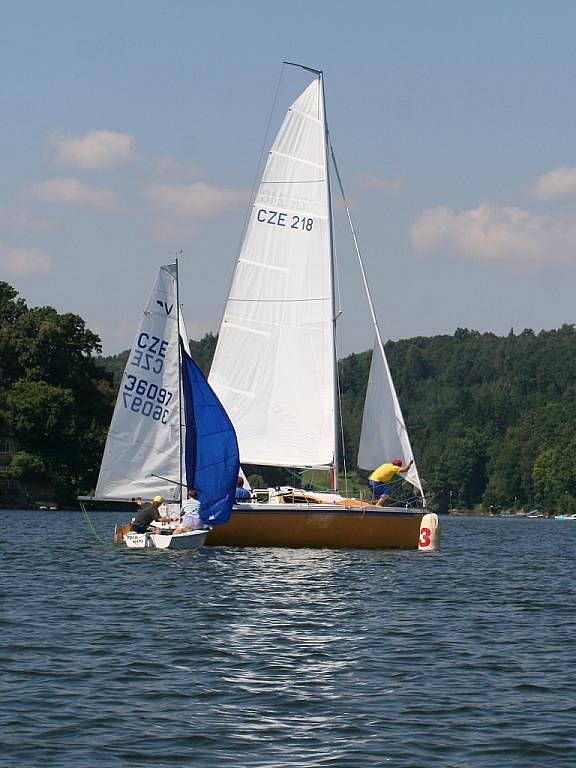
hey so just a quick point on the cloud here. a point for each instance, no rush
(493, 233)
(192, 201)
(24, 262)
(69, 191)
(94, 150)
(173, 232)
(21, 220)
(555, 184)
(170, 167)
(379, 182)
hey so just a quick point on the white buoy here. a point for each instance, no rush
(429, 538)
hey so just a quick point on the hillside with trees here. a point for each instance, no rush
(55, 401)
(492, 419)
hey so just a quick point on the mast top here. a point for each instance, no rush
(318, 72)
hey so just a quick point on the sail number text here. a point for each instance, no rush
(265, 216)
(149, 353)
(147, 398)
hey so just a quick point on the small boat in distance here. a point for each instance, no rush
(275, 368)
(169, 432)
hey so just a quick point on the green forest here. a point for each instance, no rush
(492, 419)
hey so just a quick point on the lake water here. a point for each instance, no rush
(266, 657)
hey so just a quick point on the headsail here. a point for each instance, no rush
(273, 368)
(211, 449)
(384, 436)
(143, 441)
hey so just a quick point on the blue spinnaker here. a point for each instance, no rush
(211, 449)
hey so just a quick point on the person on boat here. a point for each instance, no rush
(148, 513)
(379, 479)
(189, 514)
(242, 494)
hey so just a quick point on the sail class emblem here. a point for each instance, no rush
(164, 306)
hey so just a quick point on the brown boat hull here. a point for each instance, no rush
(359, 527)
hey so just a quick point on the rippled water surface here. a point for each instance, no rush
(269, 657)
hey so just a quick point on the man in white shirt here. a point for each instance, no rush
(189, 514)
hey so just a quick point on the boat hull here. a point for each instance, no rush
(190, 540)
(334, 526)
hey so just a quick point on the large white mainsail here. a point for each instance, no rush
(273, 369)
(143, 442)
(384, 436)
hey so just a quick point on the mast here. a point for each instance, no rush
(179, 377)
(335, 467)
(333, 295)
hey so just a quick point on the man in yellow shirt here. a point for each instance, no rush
(379, 479)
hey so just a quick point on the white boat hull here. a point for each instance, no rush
(189, 540)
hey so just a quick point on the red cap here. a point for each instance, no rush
(397, 462)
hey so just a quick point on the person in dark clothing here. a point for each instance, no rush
(148, 513)
(242, 494)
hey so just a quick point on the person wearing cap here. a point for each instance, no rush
(148, 513)
(379, 479)
(190, 519)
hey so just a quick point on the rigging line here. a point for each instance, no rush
(371, 307)
(390, 502)
(91, 526)
(340, 345)
(338, 382)
(343, 454)
(169, 480)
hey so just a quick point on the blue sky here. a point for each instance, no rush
(134, 129)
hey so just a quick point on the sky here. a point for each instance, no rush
(134, 129)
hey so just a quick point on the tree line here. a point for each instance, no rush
(492, 419)
(56, 399)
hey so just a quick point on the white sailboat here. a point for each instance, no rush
(275, 365)
(168, 432)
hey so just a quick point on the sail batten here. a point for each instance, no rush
(296, 159)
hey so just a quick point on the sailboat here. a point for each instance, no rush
(169, 431)
(275, 365)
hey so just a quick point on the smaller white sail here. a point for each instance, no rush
(384, 436)
(143, 442)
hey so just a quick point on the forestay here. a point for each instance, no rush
(384, 436)
(273, 368)
(144, 438)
